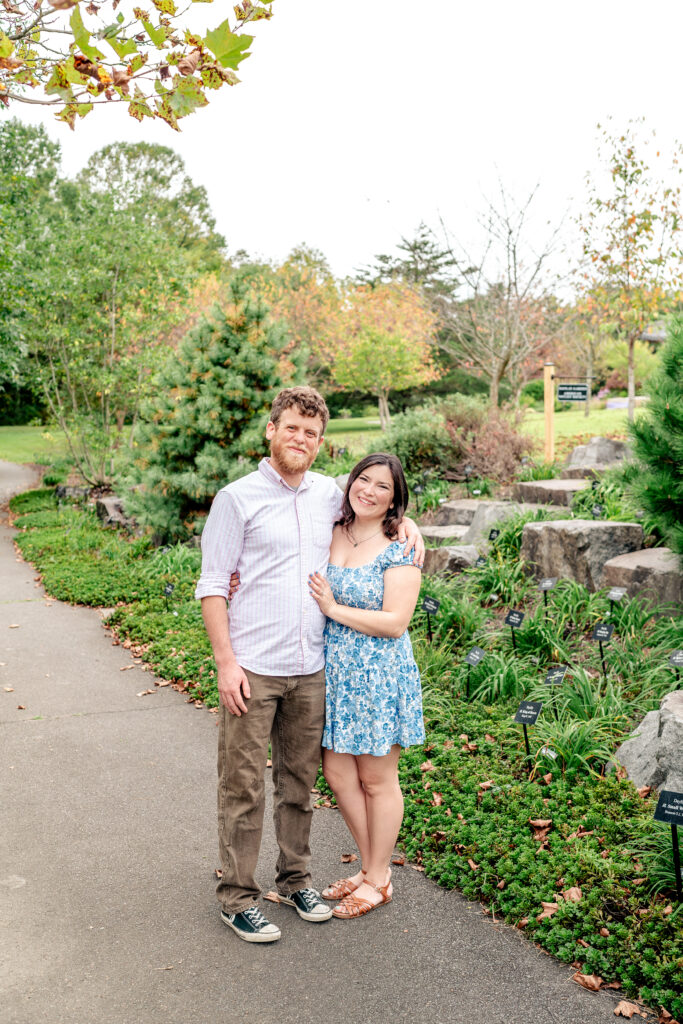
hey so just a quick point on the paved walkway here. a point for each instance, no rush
(107, 851)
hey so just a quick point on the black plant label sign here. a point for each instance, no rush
(670, 807)
(597, 511)
(616, 593)
(603, 631)
(431, 605)
(475, 656)
(480, 562)
(556, 674)
(168, 589)
(595, 484)
(548, 583)
(494, 534)
(528, 712)
(514, 619)
(676, 658)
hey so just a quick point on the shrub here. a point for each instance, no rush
(491, 442)
(420, 439)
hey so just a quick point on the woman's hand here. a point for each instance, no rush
(321, 592)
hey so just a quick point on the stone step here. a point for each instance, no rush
(459, 512)
(548, 492)
(578, 548)
(490, 512)
(654, 573)
(441, 533)
(450, 559)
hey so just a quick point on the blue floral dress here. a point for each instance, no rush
(373, 697)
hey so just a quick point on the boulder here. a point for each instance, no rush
(341, 481)
(548, 492)
(653, 754)
(450, 559)
(442, 533)
(110, 511)
(74, 493)
(456, 513)
(588, 460)
(490, 512)
(578, 548)
(653, 572)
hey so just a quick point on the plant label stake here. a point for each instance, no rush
(676, 659)
(468, 473)
(494, 534)
(615, 595)
(602, 633)
(670, 810)
(594, 485)
(480, 562)
(472, 660)
(168, 590)
(597, 511)
(556, 674)
(431, 606)
(545, 585)
(514, 620)
(418, 489)
(527, 714)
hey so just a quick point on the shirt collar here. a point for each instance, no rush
(266, 468)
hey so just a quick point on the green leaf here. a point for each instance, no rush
(82, 37)
(6, 45)
(157, 35)
(227, 46)
(186, 96)
(122, 47)
(138, 62)
(137, 107)
(165, 6)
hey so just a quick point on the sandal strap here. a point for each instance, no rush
(355, 906)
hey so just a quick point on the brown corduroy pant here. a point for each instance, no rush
(290, 711)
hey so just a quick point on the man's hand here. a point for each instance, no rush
(233, 687)
(409, 534)
(321, 592)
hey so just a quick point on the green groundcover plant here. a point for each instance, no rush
(557, 843)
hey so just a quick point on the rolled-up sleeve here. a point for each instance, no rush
(222, 540)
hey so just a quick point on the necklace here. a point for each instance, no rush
(357, 542)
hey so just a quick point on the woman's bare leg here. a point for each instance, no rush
(384, 804)
(341, 773)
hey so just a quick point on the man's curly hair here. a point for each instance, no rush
(307, 400)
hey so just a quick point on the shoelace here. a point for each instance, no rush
(310, 897)
(255, 917)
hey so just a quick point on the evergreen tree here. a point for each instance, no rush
(206, 424)
(657, 436)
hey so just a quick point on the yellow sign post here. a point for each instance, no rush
(549, 409)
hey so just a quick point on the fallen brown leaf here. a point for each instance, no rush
(540, 822)
(272, 896)
(21, 707)
(14, 625)
(486, 785)
(612, 984)
(548, 778)
(9, 689)
(348, 858)
(668, 910)
(427, 766)
(573, 894)
(490, 738)
(621, 772)
(269, 763)
(218, 872)
(523, 923)
(463, 737)
(399, 860)
(448, 744)
(143, 693)
(126, 668)
(438, 799)
(475, 867)
(469, 748)
(460, 817)
(589, 981)
(638, 881)
(582, 942)
(501, 884)
(167, 682)
(449, 812)
(625, 1009)
(604, 932)
(643, 792)
(548, 910)
(417, 867)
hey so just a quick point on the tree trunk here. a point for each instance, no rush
(493, 390)
(384, 415)
(631, 377)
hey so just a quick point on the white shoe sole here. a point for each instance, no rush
(315, 918)
(252, 936)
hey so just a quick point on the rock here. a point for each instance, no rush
(653, 754)
(653, 573)
(490, 512)
(75, 493)
(548, 492)
(341, 481)
(578, 548)
(110, 511)
(432, 533)
(599, 454)
(456, 513)
(450, 559)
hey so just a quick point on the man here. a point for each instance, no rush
(274, 526)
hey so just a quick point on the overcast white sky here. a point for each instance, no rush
(355, 121)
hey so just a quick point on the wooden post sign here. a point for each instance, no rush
(670, 810)
(431, 606)
(572, 392)
(527, 714)
(472, 659)
(549, 410)
(603, 634)
(514, 620)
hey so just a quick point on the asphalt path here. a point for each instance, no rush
(108, 849)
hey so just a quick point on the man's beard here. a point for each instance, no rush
(290, 461)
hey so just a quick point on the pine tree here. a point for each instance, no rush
(206, 424)
(657, 436)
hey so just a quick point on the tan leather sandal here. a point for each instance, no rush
(356, 906)
(341, 888)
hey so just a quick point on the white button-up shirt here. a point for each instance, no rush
(275, 535)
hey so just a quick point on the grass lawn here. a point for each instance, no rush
(358, 435)
(31, 444)
(573, 422)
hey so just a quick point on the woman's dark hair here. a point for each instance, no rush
(399, 502)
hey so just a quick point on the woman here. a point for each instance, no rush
(373, 695)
